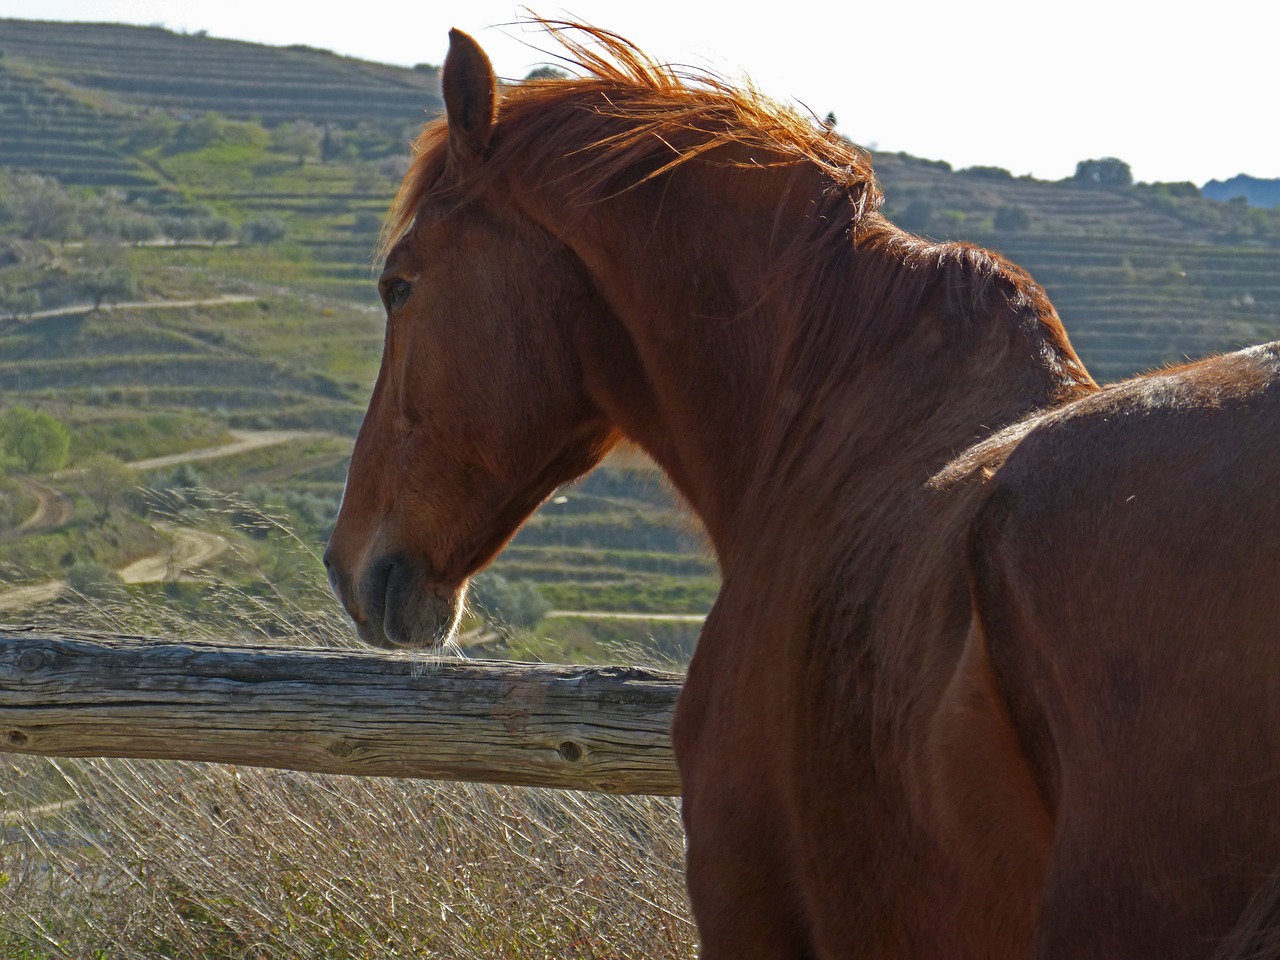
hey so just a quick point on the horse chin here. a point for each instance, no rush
(429, 622)
(407, 611)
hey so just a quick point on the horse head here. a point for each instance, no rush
(479, 411)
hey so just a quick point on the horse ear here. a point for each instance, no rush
(470, 97)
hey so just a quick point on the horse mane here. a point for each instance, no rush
(628, 119)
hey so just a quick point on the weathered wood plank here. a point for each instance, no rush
(327, 710)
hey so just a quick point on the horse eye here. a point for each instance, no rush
(395, 293)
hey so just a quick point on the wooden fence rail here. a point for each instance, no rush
(338, 711)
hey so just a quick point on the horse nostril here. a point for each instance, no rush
(377, 581)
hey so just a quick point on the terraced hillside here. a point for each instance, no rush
(219, 201)
(124, 107)
(1133, 305)
(1142, 276)
(44, 127)
(143, 69)
(233, 358)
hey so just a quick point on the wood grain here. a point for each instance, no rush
(338, 711)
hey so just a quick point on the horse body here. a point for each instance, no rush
(1126, 572)
(948, 703)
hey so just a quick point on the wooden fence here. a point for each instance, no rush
(338, 711)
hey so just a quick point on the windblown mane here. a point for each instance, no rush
(628, 119)
(631, 119)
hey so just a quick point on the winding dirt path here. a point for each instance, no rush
(53, 507)
(191, 548)
(243, 442)
(19, 598)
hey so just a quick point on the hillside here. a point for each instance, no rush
(151, 68)
(186, 227)
(184, 124)
(1142, 275)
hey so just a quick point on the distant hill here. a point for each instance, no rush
(72, 95)
(122, 68)
(1143, 274)
(195, 140)
(1256, 192)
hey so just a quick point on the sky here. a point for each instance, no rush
(1179, 93)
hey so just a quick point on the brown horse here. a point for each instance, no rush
(995, 668)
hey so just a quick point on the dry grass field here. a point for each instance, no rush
(123, 859)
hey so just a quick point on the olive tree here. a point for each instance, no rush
(37, 440)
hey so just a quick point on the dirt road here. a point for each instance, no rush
(19, 598)
(132, 305)
(53, 508)
(191, 548)
(245, 440)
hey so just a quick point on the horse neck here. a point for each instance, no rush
(731, 391)
(680, 372)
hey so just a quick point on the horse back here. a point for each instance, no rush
(1126, 577)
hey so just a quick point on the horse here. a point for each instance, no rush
(994, 670)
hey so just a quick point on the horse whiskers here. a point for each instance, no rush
(427, 663)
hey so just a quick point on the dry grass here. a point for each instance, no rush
(178, 860)
(126, 859)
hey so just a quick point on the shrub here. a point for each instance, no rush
(508, 604)
(1012, 218)
(263, 231)
(916, 216)
(90, 579)
(1108, 172)
(37, 440)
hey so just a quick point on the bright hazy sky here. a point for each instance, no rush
(1180, 92)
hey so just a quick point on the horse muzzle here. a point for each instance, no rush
(395, 603)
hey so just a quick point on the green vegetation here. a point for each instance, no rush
(48, 554)
(105, 482)
(33, 440)
(130, 436)
(512, 604)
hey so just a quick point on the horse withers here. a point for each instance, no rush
(995, 667)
